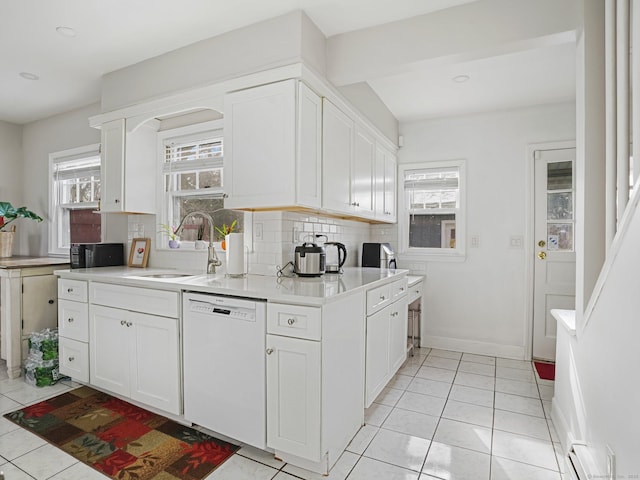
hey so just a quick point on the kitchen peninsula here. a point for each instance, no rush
(312, 337)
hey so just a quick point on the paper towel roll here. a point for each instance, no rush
(235, 254)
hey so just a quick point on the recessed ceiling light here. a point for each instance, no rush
(29, 76)
(66, 31)
(461, 78)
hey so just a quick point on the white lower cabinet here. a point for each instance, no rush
(74, 359)
(386, 344)
(293, 393)
(135, 355)
(315, 380)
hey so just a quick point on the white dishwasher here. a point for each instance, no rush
(224, 365)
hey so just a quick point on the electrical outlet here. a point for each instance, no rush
(475, 241)
(516, 241)
(611, 464)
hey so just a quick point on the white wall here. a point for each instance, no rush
(597, 387)
(11, 163)
(275, 42)
(39, 139)
(479, 305)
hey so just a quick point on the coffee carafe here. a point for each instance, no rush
(336, 254)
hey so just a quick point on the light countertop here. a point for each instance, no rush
(21, 261)
(297, 290)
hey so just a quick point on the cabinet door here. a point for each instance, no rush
(112, 166)
(39, 303)
(155, 378)
(362, 178)
(293, 396)
(337, 154)
(309, 155)
(385, 185)
(109, 346)
(397, 335)
(390, 187)
(377, 354)
(260, 146)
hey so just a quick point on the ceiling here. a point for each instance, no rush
(113, 34)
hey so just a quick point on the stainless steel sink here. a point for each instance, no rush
(167, 275)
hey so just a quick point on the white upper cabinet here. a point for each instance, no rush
(362, 180)
(272, 155)
(385, 185)
(337, 153)
(358, 173)
(128, 168)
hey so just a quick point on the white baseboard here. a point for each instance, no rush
(471, 346)
(562, 427)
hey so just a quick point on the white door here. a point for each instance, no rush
(555, 259)
(362, 181)
(377, 358)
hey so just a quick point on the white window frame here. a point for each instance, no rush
(404, 214)
(55, 221)
(197, 131)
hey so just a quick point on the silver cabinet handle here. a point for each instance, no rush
(129, 324)
(70, 319)
(123, 322)
(381, 297)
(291, 321)
(69, 290)
(117, 200)
(269, 351)
(71, 359)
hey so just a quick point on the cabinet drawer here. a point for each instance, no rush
(398, 289)
(73, 320)
(74, 359)
(72, 289)
(378, 298)
(145, 300)
(294, 321)
(415, 292)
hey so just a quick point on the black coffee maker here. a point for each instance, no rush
(379, 255)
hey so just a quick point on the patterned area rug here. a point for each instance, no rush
(121, 440)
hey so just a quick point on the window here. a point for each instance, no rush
(432, 218)
(74, 194)
(192, 179)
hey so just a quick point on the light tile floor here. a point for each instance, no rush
(444, 416)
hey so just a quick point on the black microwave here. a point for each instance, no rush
(86, 255)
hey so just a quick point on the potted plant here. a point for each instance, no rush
(8, 214)
(170, 231)
(225, 230)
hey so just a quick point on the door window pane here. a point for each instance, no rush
(560, 236)
(560, 206)
(560, 176)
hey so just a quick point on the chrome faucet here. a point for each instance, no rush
(212, 259)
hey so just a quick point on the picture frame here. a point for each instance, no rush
(139, 253)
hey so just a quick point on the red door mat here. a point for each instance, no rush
(121, 440)
(546, 371)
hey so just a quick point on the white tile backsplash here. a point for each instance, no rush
(282, 231)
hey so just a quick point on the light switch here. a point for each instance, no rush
(516, 241)
(257, 231)
(475, 241)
